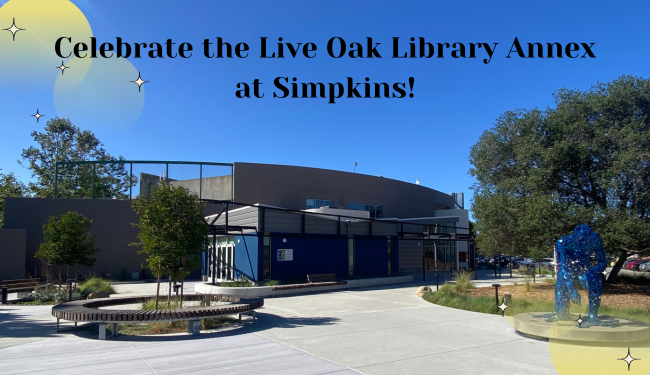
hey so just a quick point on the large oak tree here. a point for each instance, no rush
(585, 161)
(62, 141)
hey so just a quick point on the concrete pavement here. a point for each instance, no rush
(391, 331)
(374, 331)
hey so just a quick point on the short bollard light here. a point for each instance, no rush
(496, 293)
(437, 281)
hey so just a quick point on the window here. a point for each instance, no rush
(462, 256)
(445, 253)
(441, 228)
(318, 203)
(376, 210)
(429, 255)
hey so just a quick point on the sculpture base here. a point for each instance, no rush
(536, 325)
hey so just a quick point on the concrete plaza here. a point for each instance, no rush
(384, 330)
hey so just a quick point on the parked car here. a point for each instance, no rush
(548, 262)
(645, 267)
(634, 265)
(527, 262)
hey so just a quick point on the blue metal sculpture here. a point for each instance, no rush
(573, 256)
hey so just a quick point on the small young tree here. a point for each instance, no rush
(68, 241)
(173, 230)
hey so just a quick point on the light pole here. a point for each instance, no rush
(355, 167)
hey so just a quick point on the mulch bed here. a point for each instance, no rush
(614, 295)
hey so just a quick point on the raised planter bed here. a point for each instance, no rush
(293, 289)
(88, 311)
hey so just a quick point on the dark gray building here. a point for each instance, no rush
(368, 198)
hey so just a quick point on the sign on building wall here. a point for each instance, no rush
(285, 254)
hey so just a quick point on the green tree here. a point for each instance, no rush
(173, 231)
(62, 141)
(585, 161)
(67, 240)
(10, 187)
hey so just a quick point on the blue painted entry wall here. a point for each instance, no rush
(371, 257)
(310, 255)
(246, 257)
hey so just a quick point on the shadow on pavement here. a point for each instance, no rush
(16, 322)
(264, 321)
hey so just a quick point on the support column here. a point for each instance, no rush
(194, 327)
(114, 330)
(102, 331)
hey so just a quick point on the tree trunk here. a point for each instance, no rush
(60, 276)
(158, 286)
(76, 271)
(613, 275)
(170, 287)
(182, 282)
(67, 273)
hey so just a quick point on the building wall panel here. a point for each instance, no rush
(310, 255)
(410, 255)
(12, 253)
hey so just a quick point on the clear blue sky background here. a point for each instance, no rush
(191, 112)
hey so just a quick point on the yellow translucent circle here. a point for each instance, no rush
(599, 359)
(102, 98)
(29, 59)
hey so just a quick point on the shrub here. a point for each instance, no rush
(171, 327)
(448, 297)
(51, 293)
(95, 284)
(463, 280)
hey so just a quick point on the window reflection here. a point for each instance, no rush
(376, 210)
(318, 203)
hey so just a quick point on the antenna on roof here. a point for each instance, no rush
(355, 167)
(417, 181)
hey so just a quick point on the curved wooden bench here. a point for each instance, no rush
(88, 311)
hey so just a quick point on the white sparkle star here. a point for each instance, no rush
(139, 81)
(13, 29)
(37, 115)
(503, 307)
(62, 67)
(629, 359)
(605, 272)
(579, 321)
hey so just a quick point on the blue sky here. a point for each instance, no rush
(191, 111)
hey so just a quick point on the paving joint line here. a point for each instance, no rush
(306, 352)
(212, 350)
(375, 329)
(145, 361)
(240, 363)
(438, 353)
